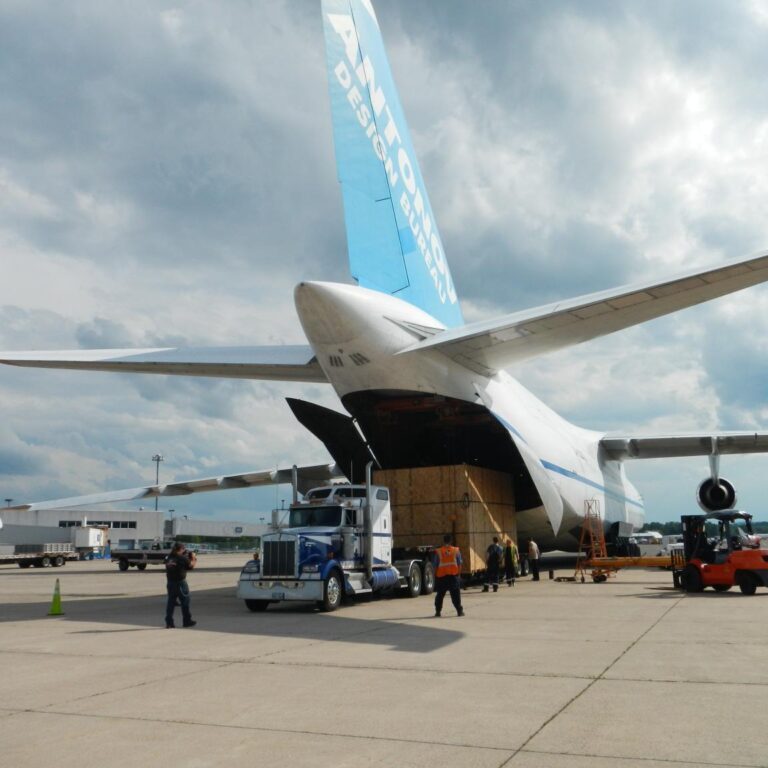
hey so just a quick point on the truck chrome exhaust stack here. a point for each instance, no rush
(368, 524)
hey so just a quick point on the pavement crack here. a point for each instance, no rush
(263, 729)
(637, 759)
(587, 687)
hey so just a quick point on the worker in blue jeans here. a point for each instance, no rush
(177, 564)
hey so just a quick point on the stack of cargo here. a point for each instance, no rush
(473, 504)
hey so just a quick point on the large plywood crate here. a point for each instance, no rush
(473, 504)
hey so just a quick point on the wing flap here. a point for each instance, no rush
(278, 363)
(489, 346)
(674, 446)
(307, 476)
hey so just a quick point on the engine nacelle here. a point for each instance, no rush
(716, 496)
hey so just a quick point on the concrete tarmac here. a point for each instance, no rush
(541, 675)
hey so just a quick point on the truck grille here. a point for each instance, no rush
(279, 558)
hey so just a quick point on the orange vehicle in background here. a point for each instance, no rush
(732, 556)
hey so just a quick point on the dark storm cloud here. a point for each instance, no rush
(184, 126)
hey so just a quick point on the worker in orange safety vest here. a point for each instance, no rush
(447, 560)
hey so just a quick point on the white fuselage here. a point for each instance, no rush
(357, 335)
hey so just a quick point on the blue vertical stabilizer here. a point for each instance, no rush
(393, 242)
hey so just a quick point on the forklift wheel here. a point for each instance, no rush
(691, 579)
(747, 582)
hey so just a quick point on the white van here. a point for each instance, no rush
(668, 543)
(648, 542)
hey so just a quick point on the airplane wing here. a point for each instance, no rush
(669, 446)
(308, 477)
(488, 346)
(278, 363)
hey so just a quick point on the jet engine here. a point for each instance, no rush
(716, 494)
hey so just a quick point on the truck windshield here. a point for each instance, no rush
(301, 517)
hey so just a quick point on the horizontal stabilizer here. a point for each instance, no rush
(278, 363)
(308, 477)
(489, 346)
(670, 446)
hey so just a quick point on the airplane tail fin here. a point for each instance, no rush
(394, 245)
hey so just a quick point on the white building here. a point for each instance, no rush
(134, 527)
(127, 527)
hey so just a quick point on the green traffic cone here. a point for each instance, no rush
(56, 602)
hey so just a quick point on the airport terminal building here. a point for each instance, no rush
(134, 528)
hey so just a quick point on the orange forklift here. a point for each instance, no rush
(733, 556)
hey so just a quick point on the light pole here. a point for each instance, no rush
(8, 502)
(157, 458)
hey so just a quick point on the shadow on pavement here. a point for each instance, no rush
(218, 610)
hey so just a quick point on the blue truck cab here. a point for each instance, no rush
(335, 542)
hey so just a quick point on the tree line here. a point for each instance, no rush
(667, 529)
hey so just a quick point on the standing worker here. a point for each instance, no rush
(533, 557)
(447, 561)
(493, 557)
(176, 566)
(510, 562)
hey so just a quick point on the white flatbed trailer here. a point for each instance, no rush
(40, 556)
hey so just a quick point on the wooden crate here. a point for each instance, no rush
(472, 503)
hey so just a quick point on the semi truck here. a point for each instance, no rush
(338, 541)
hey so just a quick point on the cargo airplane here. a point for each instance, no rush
(421, 387)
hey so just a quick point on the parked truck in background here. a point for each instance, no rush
(38, 555)
(154, 553)
(338, 541)
(46, 546)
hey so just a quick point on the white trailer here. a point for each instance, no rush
(39, 555)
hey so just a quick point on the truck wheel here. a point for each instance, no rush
(141, 566)
(58, 561)
(257, 606)
(333, 591)
(428, 579)
(122, 565)
(747, 582)
(45, 562)
(414, 580)
(721, 587)
(691, 579)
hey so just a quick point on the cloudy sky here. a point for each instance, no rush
(167, 177)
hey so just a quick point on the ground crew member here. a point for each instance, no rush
(533, 558)
(510, 562)
(176, 566)
(493, 557)
(447, 560)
